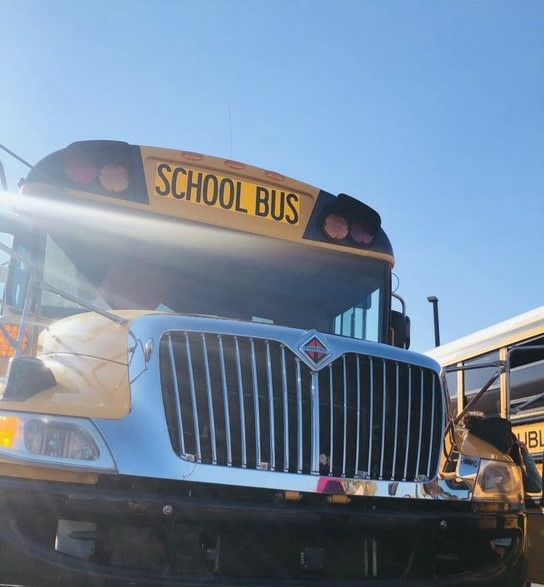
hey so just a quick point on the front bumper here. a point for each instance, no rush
(135, 531)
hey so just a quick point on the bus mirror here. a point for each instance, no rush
(496, 431)
(400, 330)
(27, 376)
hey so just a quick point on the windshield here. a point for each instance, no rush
(197, 269)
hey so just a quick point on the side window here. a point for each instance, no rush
(13, 271)
(477, 376)
(361, 321)
(527, 377)
(7, 240)
(451, 383)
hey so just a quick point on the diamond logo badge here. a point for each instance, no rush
(315, 350)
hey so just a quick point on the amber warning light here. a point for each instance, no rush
(82, 170)
(9, 333)
(350, 221)
(106, 168)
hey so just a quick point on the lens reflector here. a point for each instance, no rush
(60, 440)
(6, 348)
(80, 170)
(360, 233)
(336, 227)
(114, 178)
(9, 427)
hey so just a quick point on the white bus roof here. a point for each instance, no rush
(522, 327)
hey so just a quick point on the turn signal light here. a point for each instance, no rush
(9, 428)
(7, 349)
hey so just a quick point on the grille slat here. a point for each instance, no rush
(395, 441)
(242, 420)
(331, 416)
(384, 417)
(358, 426)
(345, 418)
(371, 418)
(176, 396)
(284, 392)
(194, 405)
(211, 414)
(299, 425)
(250, 403)
(408, 424)
(226, 410)
(271, 418)
(420, 436)
(432, 420)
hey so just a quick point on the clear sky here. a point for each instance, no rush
(430, 111)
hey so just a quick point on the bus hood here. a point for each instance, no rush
(81, 370)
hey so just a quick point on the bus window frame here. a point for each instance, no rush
(520, 349)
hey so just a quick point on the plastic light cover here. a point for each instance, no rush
(80, 170)
(6, 349)
(60, 440)
(67, 442)
(114, 178)
(360, 233)
(336, 227)
(498, 481)
(9, 427)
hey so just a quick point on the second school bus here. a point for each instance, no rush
(509, 357)
(206, 382)
(506, 362)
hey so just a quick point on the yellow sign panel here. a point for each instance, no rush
(227, 193)
(532, 435)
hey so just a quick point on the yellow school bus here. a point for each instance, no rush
(206, 381)
(506, 362)
(507, 358)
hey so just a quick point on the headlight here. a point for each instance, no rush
(499, 482)
(54, 441)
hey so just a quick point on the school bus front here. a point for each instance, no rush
(203, 390)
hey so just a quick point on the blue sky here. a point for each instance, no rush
(431, 111)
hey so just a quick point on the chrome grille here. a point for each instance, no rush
(252, 403)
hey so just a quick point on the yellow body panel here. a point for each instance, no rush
(9, 469)
(219, 192)
(532, 434)
(209, 189)
(86, 386)
(88, 356)
(88, 334)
